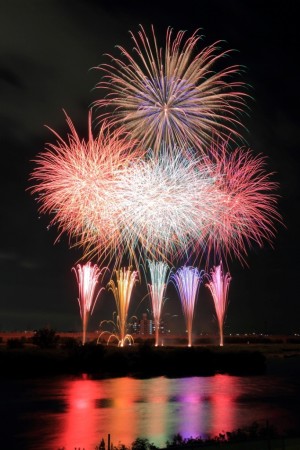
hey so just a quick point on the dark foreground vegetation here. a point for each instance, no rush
(254, 437)
(47, 354)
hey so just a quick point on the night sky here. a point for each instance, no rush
(48, 50)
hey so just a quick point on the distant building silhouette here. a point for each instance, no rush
(146, 325)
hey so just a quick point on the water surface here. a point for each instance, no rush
(48, 414)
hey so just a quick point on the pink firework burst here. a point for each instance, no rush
(172, 94)
(75, 181)
(246, 211)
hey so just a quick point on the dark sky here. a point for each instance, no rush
(47, 50)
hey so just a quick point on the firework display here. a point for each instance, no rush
(187, 281)
(163, 180)
(218, 285)
(87, 279)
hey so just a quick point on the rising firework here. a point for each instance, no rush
(172, 94)
(159, 274)
(126, 279)
(187, 280)
(87, 279)
(218, 285)
(75, 184)
(246, 211)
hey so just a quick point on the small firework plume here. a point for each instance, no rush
(126, 279)
(187, 280)
(159, 274)
(218, 285)
(246, 211)
(74, 183)
(172, 94)
(87, 278)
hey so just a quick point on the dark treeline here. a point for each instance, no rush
(47, 354)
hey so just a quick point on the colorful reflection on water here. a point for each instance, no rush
(73, 413)
(211, 410)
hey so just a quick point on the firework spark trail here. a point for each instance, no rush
(246, 211)
(172, 94)
(159, 274)
(126, 279)
(187, 280)
(87, 278)
(218, 285)
(74, 183)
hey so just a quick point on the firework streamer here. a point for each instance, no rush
(187, 280)
(159, 274)
(122, 290)
(87, 278)
(172, 94)
(218, 285)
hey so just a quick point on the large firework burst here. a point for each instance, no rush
(172, 94)
(75, 182)
(246, 211)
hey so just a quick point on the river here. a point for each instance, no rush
(69, 413)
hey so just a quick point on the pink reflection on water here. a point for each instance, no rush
(81, 417)
(223, 404)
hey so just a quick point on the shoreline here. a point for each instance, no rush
(146, 361)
